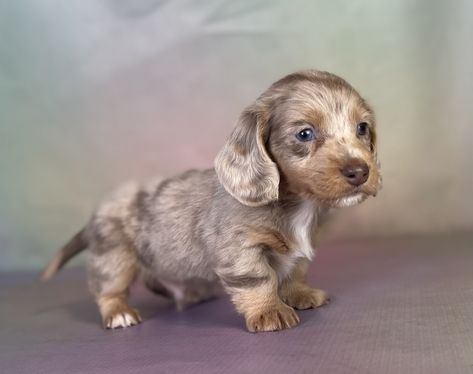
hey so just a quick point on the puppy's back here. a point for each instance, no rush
(172, 217)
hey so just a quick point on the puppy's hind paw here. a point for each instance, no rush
(122, 317)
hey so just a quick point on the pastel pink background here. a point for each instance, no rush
(93, 93)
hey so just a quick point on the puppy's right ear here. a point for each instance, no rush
(244, 167)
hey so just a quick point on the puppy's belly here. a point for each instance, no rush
(175, 263)
(186, 281)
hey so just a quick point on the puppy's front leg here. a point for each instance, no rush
(297, 293)
(253, 286)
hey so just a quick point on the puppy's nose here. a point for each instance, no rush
(356, 172)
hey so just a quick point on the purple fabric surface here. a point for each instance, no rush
(398, 305)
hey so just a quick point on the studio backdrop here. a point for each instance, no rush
(97, 92)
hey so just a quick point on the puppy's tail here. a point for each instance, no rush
(76, 245)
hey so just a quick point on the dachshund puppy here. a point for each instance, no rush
(306, 145)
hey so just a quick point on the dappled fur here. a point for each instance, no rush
(248, 225)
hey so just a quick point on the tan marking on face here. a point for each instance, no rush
(313, 169)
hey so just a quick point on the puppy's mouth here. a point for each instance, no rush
(367, 190)
(350, 200)
(342, 201)
(343, 195)
(354, 197)
(358, 195)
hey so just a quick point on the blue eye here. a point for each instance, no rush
(305, 135)
(362, 129)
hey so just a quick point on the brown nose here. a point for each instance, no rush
(356, 172)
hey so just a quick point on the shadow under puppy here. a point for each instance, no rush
(306, 145)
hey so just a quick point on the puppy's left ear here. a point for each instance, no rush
(243, 166)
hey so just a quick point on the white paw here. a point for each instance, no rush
(124, 319)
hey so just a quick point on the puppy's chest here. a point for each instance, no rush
(301, 229)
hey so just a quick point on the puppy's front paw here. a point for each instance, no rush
(279, 317)
(122, 316)
(306, 298)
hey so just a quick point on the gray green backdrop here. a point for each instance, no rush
(95, 92)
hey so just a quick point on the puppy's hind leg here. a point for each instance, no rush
(110, 275)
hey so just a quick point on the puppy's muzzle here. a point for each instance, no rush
(356, 172)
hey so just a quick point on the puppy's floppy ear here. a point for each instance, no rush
(243, 166)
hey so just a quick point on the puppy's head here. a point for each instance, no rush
(310, 132)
